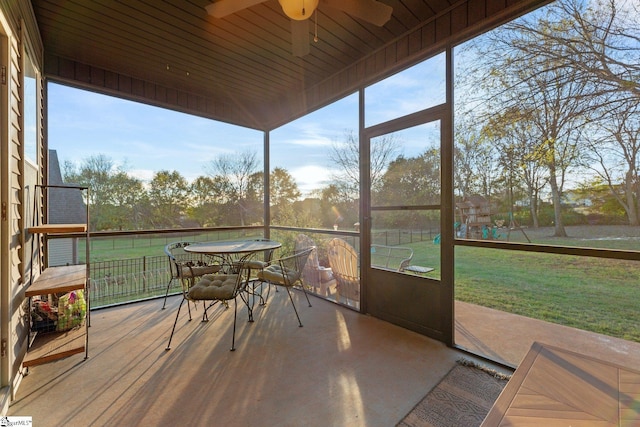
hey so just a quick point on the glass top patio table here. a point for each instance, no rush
(234, 253)
(233, 247)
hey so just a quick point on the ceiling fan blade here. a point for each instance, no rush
(371, 11)
(223, 8)
(300, 37)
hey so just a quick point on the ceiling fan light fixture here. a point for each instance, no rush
(298, 9)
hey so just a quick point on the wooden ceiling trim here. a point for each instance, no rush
(84, 31)
(110, 83)
(179, 80)
(459, 18)
(192, 88)
(477, 11)
(308, 68)
(402, 48)
(234, 31)
(443, 27)
(428, 35)
(495, 6)
(407, 17)
(204, 46)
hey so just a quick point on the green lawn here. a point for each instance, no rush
(594, 294)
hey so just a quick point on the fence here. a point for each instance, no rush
(402, 237)
(120, 281)
(131, 279)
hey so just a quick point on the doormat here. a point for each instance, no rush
(461, 399)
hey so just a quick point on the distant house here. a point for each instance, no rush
(577, 199)
(65, 206)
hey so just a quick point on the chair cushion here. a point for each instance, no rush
(275, 274)
(214, 286)
(198, 270)
(252, 264)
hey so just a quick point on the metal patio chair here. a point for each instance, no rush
(183, 265)
(214, 288)
(287, 272)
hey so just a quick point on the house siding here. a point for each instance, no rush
(17, 340)
(18, 32)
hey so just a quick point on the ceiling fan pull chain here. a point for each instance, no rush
(315, 35)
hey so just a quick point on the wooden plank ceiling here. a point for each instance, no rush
(237, 69)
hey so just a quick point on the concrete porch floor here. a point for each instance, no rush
(340, 369)
(506, 337)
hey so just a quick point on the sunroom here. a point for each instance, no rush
(443, 167)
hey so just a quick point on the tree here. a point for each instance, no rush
(168, 199)
(549, 101)
(593, 47)
(336, 206)
(283, 193)
(615, 153)
(113, 195)
(234, 173)
(595, 41)
(346, 156)
(411, 181)
(283, 188)
(207, 201)
(515, 140)
(469, 145)
(126, 198)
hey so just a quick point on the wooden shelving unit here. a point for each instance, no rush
(48, 346)
(58, 228)
(54, 280)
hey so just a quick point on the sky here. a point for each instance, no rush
(139, 138)
(142, 139)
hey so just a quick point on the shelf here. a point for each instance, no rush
(55, 280)
(45, 343)
(58, 228)
(51, 346)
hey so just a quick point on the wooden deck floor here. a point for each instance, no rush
(342, 368)
(556, 387)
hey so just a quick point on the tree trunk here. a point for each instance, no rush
(557, 207)
(533, 209)
(632, 213)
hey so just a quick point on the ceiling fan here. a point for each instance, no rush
(300, 11)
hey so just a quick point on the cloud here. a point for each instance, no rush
(144, 175)
(310, 177)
